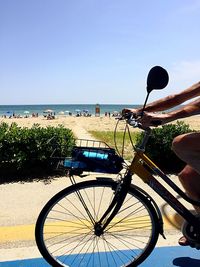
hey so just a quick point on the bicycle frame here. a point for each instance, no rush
(145, 169)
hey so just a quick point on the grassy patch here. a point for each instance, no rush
(108, 138)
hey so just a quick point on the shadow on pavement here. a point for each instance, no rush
(186, 261)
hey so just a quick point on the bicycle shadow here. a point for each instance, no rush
(186, 261)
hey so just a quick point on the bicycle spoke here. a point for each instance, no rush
(70, 236)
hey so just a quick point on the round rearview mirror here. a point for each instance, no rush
(157, 79)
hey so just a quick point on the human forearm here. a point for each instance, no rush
(163, 104)
(185, 111)
(173, 100)
(149, 118)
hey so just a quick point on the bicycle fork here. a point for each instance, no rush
(115, 205)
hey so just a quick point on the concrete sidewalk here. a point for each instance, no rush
(22, 203)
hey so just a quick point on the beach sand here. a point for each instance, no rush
(77, 124)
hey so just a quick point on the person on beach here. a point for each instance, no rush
(185, 146)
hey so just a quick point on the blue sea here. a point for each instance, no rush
(62, 108)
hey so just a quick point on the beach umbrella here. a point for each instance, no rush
(68, 112)
(61, 113)
(26, 112)
(78, 110)
(48, 111)
(8, 113)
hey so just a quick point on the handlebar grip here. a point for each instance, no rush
(156, 122)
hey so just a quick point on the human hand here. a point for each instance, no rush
(153, 119)
(127, 111)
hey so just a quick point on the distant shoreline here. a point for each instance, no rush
(61, 108)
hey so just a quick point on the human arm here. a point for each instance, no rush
(170, 101)
(175, 99)
(192, 108)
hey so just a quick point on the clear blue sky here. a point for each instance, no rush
(95, 51)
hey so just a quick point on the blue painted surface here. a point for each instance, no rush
(173, 256)
(160, 257)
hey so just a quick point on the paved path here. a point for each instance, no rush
(160, 257)
(81, 133)
(21, 204)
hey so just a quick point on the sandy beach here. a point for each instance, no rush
(77, 124)
(88, 123)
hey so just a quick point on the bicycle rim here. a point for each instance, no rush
(65, 228)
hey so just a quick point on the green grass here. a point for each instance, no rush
(108, 138)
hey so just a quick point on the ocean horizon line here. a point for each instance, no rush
(52, 104)
(61, 108)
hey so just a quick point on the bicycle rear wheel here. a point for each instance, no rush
(65, 232)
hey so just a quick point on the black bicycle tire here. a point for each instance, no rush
(106, 182)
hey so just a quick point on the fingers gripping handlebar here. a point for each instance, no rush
(134, 120)
(129, 115)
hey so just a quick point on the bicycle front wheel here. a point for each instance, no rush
(65, 229)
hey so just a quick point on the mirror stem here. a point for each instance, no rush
(142, 112)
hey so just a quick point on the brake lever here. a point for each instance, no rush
(125, 116)
(132, 122)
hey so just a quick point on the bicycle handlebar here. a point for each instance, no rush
(133, 120)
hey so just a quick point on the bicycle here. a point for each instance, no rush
(105, 221)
